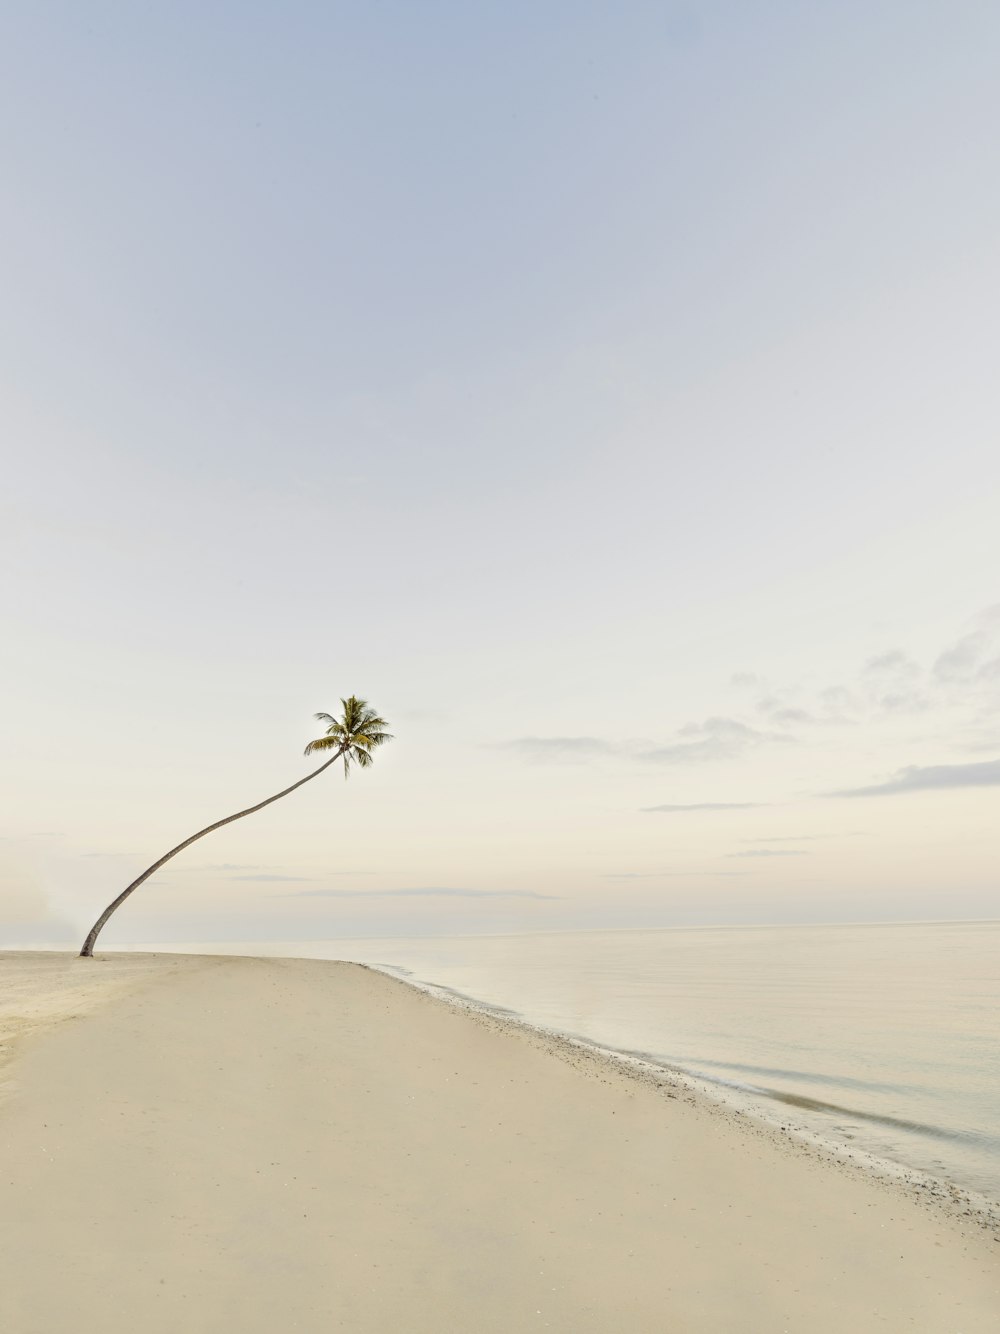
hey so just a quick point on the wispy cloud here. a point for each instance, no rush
(788, 838)
(891, 684)
(660, 875)
(216, 866)
(770, 852)
(962, 660)
(706, 806)
(892, 663)
(247, 870)
(560, 749)
(931, 778)
(960, 679)
(785, 716)
(744, 680)
(716, 738)
(807, 838)
(419, 893)
(275, 879)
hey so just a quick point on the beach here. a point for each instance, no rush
(223, 1143)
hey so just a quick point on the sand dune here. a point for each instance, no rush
(224, 1144)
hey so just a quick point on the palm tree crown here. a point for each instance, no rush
(356, 734)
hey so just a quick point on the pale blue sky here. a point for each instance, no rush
(535, 370)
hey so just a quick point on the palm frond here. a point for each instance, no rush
(322, 743)
(376, 736)
(374, 727)
(354, 708)
(370, 722)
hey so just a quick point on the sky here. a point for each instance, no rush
(607, 392)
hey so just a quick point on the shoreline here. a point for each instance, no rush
(935, 1192)
(870, 1082)
(221, 1141)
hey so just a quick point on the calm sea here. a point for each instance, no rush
(885, 1037)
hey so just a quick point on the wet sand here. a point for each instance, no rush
(218, 1144)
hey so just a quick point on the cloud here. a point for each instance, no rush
(707, 806)
(279, 878)
(961, 679)
(560, 749)
(770, 852)
(886, 686)
(324, 877)
(901, 701)
(805, 838)
(659, 875)
(786, 716)
(893, 663)
(788, 838)
(933, 777)
(777, 710)
(418, 893)
(891, 684)
(715, 739)
(958, 662)
(212, 866)
(964, 660)
(259, 870)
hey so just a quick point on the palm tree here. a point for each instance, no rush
(354, 735)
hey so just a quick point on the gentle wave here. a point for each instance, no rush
(812, 1077)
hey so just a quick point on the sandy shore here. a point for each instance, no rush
(225, 1144)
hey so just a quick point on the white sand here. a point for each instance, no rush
(220, 1144)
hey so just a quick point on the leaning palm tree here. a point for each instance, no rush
(354, 736)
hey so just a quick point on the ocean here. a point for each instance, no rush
(885, 1038)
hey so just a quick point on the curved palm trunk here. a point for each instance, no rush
(91, 941)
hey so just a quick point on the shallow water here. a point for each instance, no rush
(885, 1037)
